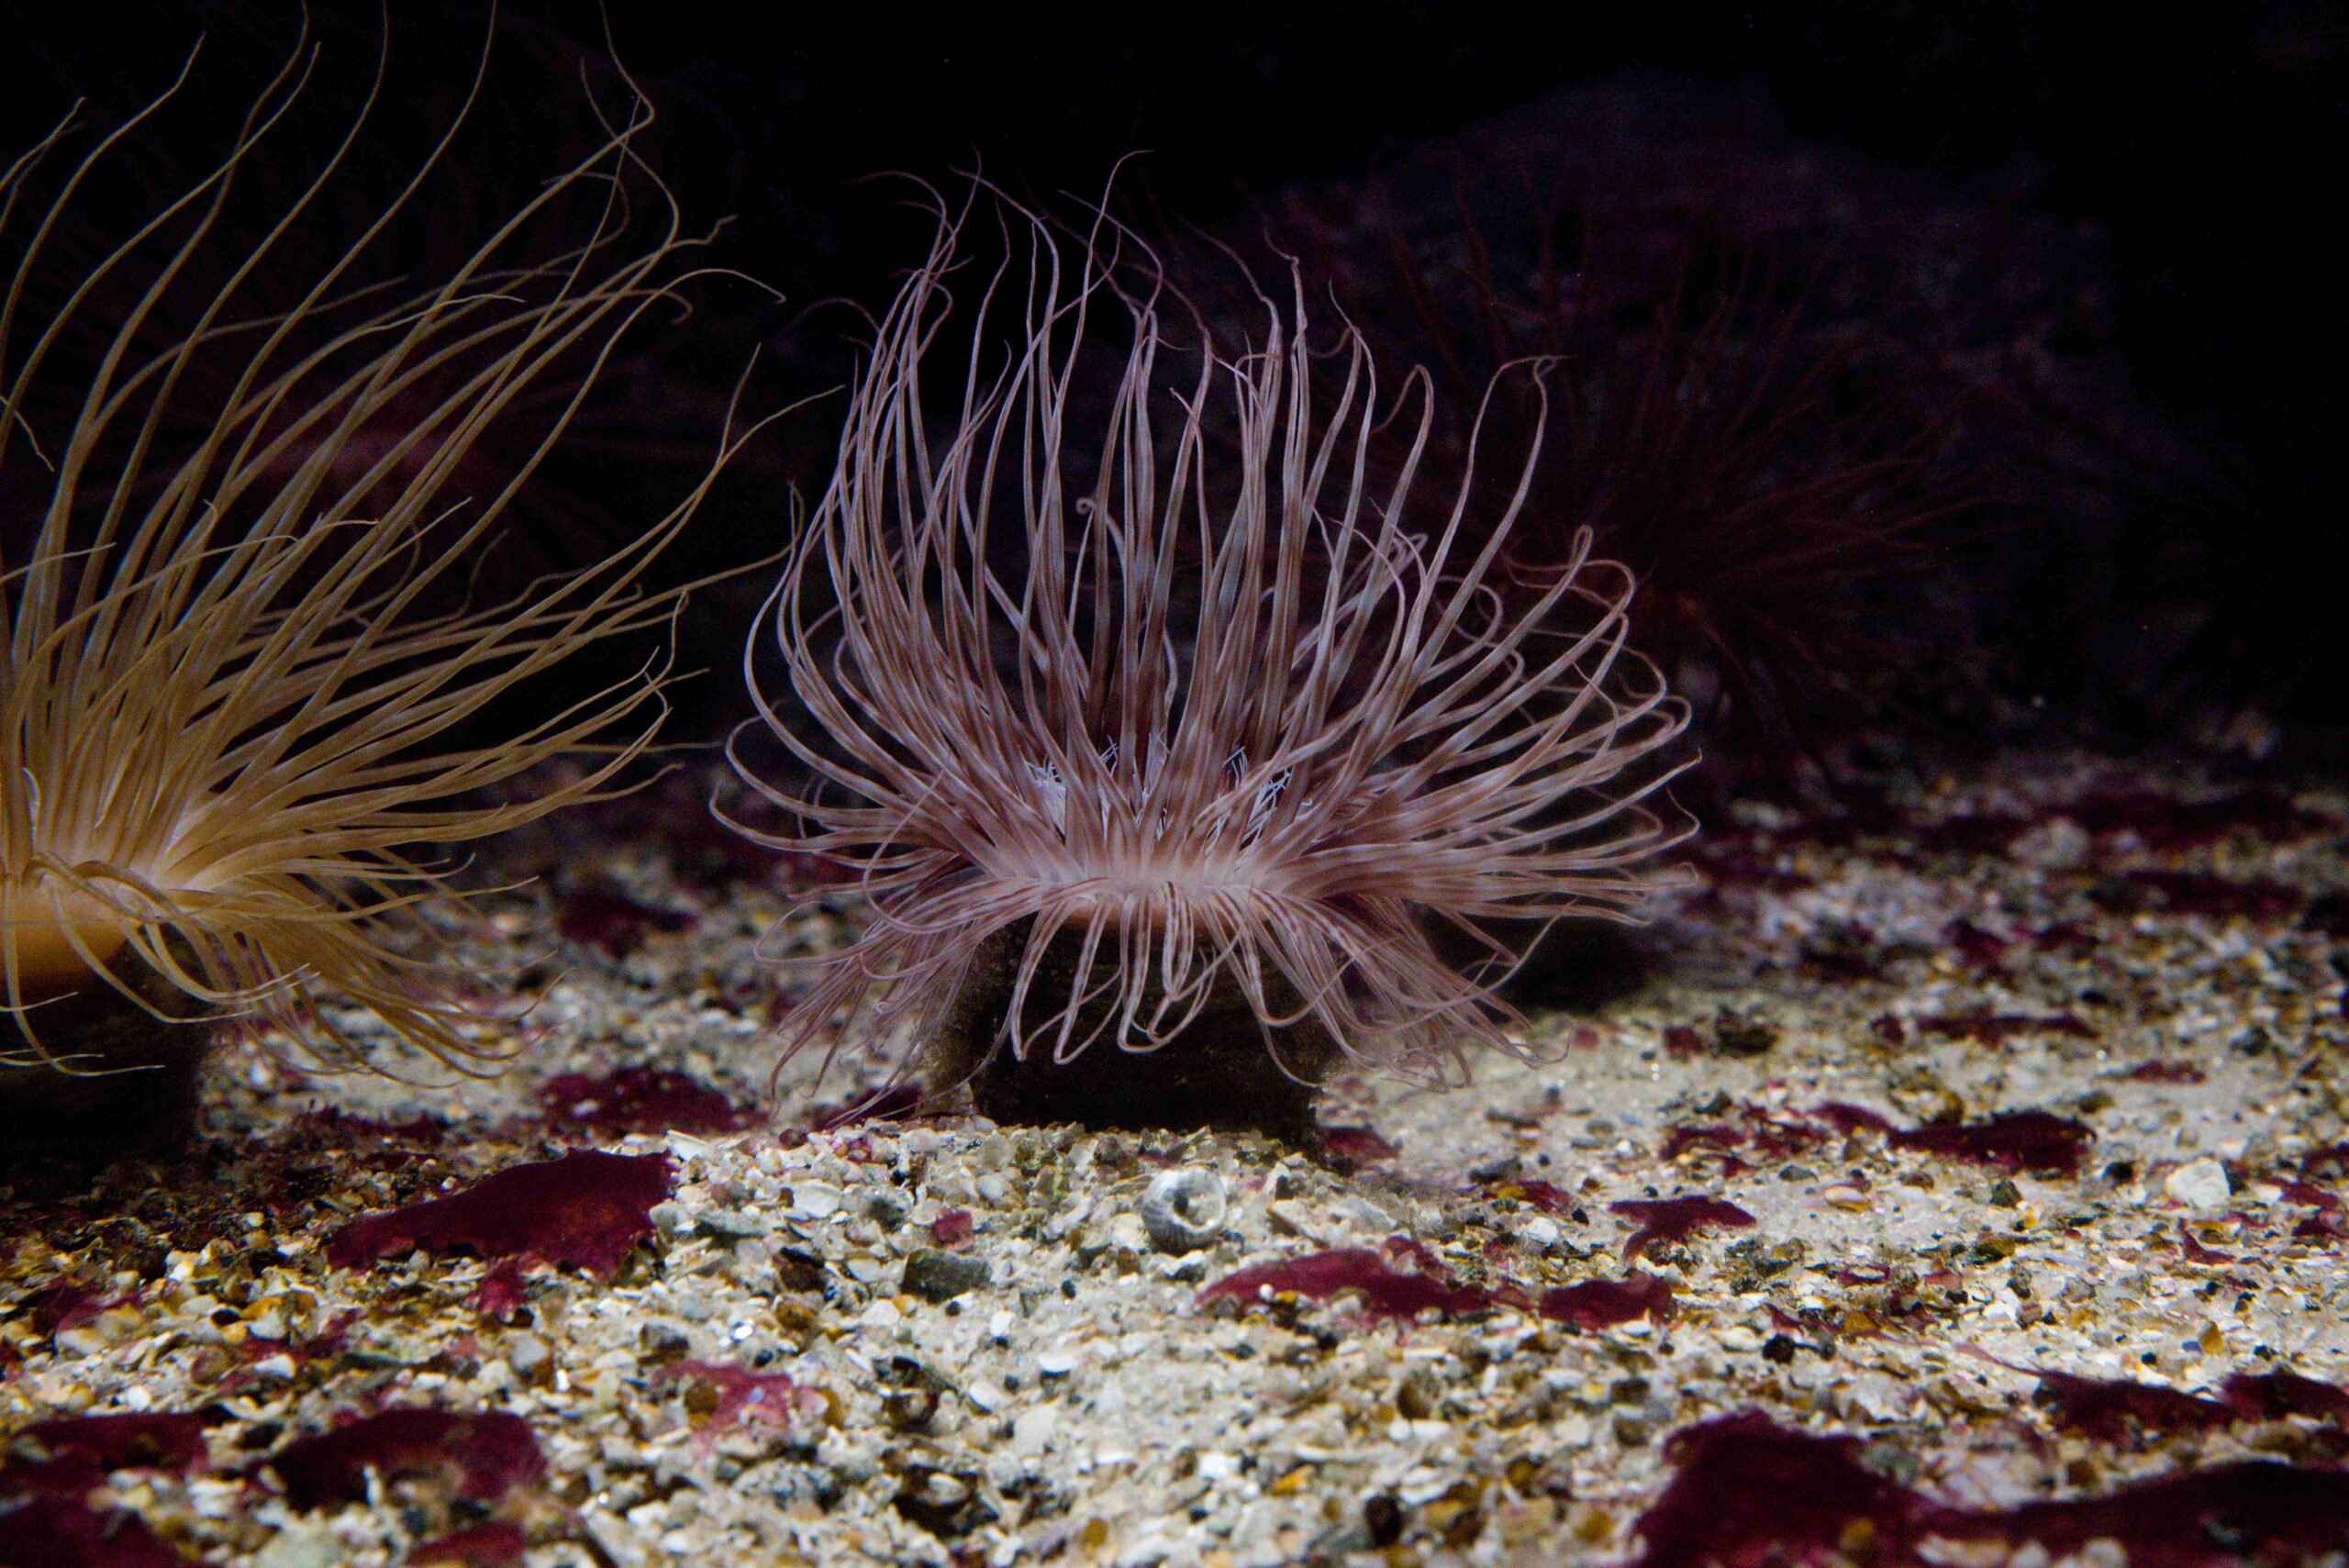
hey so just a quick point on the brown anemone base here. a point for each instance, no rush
(1222, 1072)
(132, 1077)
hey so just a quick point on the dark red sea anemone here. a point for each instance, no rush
(1758, 394)
(1701, 426)
(1140, 743)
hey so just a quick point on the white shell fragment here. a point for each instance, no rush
(2199, 1184)
(1183, 1208)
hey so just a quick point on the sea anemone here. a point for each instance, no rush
(224, 722)
(1179, 747)
(1736, 465)
(636, 440)
(1730, 416)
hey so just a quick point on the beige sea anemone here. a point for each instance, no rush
(225, 720)
(1161, 727)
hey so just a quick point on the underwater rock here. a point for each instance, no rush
(941, 1276)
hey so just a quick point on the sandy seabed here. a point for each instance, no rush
(1963, 1182)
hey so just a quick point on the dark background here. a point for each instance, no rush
(2205, 155)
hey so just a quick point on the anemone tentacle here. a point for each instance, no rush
(225, 716)
(1203, 711)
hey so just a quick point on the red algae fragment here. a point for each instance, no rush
(2327, 914)
(587, 1209)
(483, 1456)
(1360, 1145)
(1386, 1291)
(1997, 1029)
(951, 1227)
(2333, 1160)
(2160, 822)
(741, 1395)
(2310, 1196)
(2114, 1408)
(1596, 1304)
(49, 1470)
(1847, 1118)
(2065, 937)
(1683, 1041)
(2111, 1408)
(1728, 859)
(500, 1292)
(1411, 1250)
(1974, 832)
(45, 1531)
(2249, 1511)
(423, 1128)
(2166, 1072)
(1545, 1196)
(2195, 1253)
(82, 1450)
(2319, 1228)
(1766, 1136)
(54, 1308)
(1672, 1219)
(2038, 1141)
(328, 1340)
(606, 918)
(493, 1545)
(2016, 1141)
(641, 1100)
(1749, 1493)
(2199, 893)
(2268, 1396)
(1717, 1138)
(1976, 947)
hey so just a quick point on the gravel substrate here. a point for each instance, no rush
(2009, 1113)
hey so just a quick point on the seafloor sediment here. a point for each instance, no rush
(1963, 1180)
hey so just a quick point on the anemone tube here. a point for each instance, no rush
(1150, 751)
(224, 721)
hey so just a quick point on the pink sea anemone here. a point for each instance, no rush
(1144, 740)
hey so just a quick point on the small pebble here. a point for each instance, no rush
(728, 1224)
(814, 1200)
(937, 1276)
(2199, 1184)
